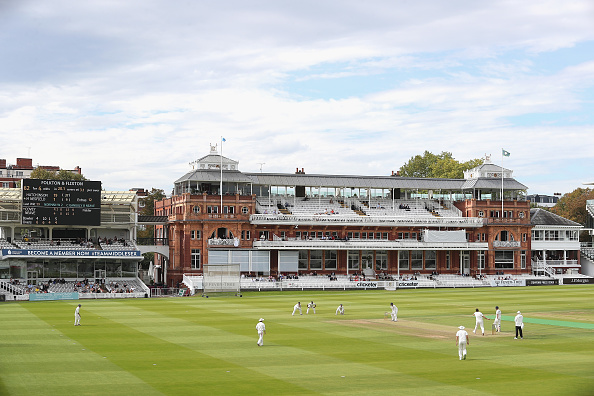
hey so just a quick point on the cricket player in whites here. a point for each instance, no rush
(261, 331)
(77, 316)
(296, 308)
(479, 321)
(462, 339)
(497, 321)
(312, 306)
(339, 310)
(394, 314)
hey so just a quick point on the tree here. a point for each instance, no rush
(156, 194)
(443, 166)
(572, 206)
(41, 173)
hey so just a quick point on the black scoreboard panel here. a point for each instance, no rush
(61, 202)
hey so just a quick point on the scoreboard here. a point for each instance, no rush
(61, 202)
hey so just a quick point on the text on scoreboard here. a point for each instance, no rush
(61, 202)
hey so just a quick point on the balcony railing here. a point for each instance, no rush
(364, 244)
(223, 242)
(506, 244)
(368, 220)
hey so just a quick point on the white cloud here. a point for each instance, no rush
(133, 91)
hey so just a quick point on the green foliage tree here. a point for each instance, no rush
(572, 205)
(40, 173)
(443, 166)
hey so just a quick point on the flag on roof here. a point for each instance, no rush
(505, 153)
(224, 140)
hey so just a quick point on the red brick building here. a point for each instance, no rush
(273, 223)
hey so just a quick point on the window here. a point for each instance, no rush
(523, 260)
(315, 259)
(320, 234)
(381, 260)
(481, 260)
(524, 237)
(400, 235)
(350, 235)
(195, 258)
(356, 235)
(385, 235)
(505, 236)
(196, 209)
(283, 234)
(537, 235)
(195, 234)
(403, 259)
(212, 209)
(504, 259)
(378, 235)
(229, 209)
(245, 235)
(330, 261)
(430, 259)
(448, 260)
(298, 234)
(416, 259)
(363, 235)
(302, 264)
(245, 210)
(353, 260)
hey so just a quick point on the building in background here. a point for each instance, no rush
(283, 223)
(10, 175)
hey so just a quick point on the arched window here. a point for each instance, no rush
(222, 233)
(505, 236)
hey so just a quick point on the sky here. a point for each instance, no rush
(133, 91)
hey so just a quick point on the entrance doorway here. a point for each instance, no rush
(32, 277)
(465, 262)
(99, 276)
(367, 263)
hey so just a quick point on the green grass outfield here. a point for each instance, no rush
(199, 346)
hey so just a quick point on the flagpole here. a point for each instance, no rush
(502, 183)
(221, 186)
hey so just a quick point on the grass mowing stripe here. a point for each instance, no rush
(207, 346)
(155, 360)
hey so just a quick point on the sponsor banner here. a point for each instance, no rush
(578, 281)
(406, 284)
(542, 282)
(69, 253)
(367, 285)
(52, 296)
(507, 282)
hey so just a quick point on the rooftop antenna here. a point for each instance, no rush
(261, 163)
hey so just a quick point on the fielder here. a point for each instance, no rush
(394, 309)
(339, 310)
(312, 306)
(497, 321)
(77, 316)
(297, 307)
(479, 321)
(462, 339)
(261, 331)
